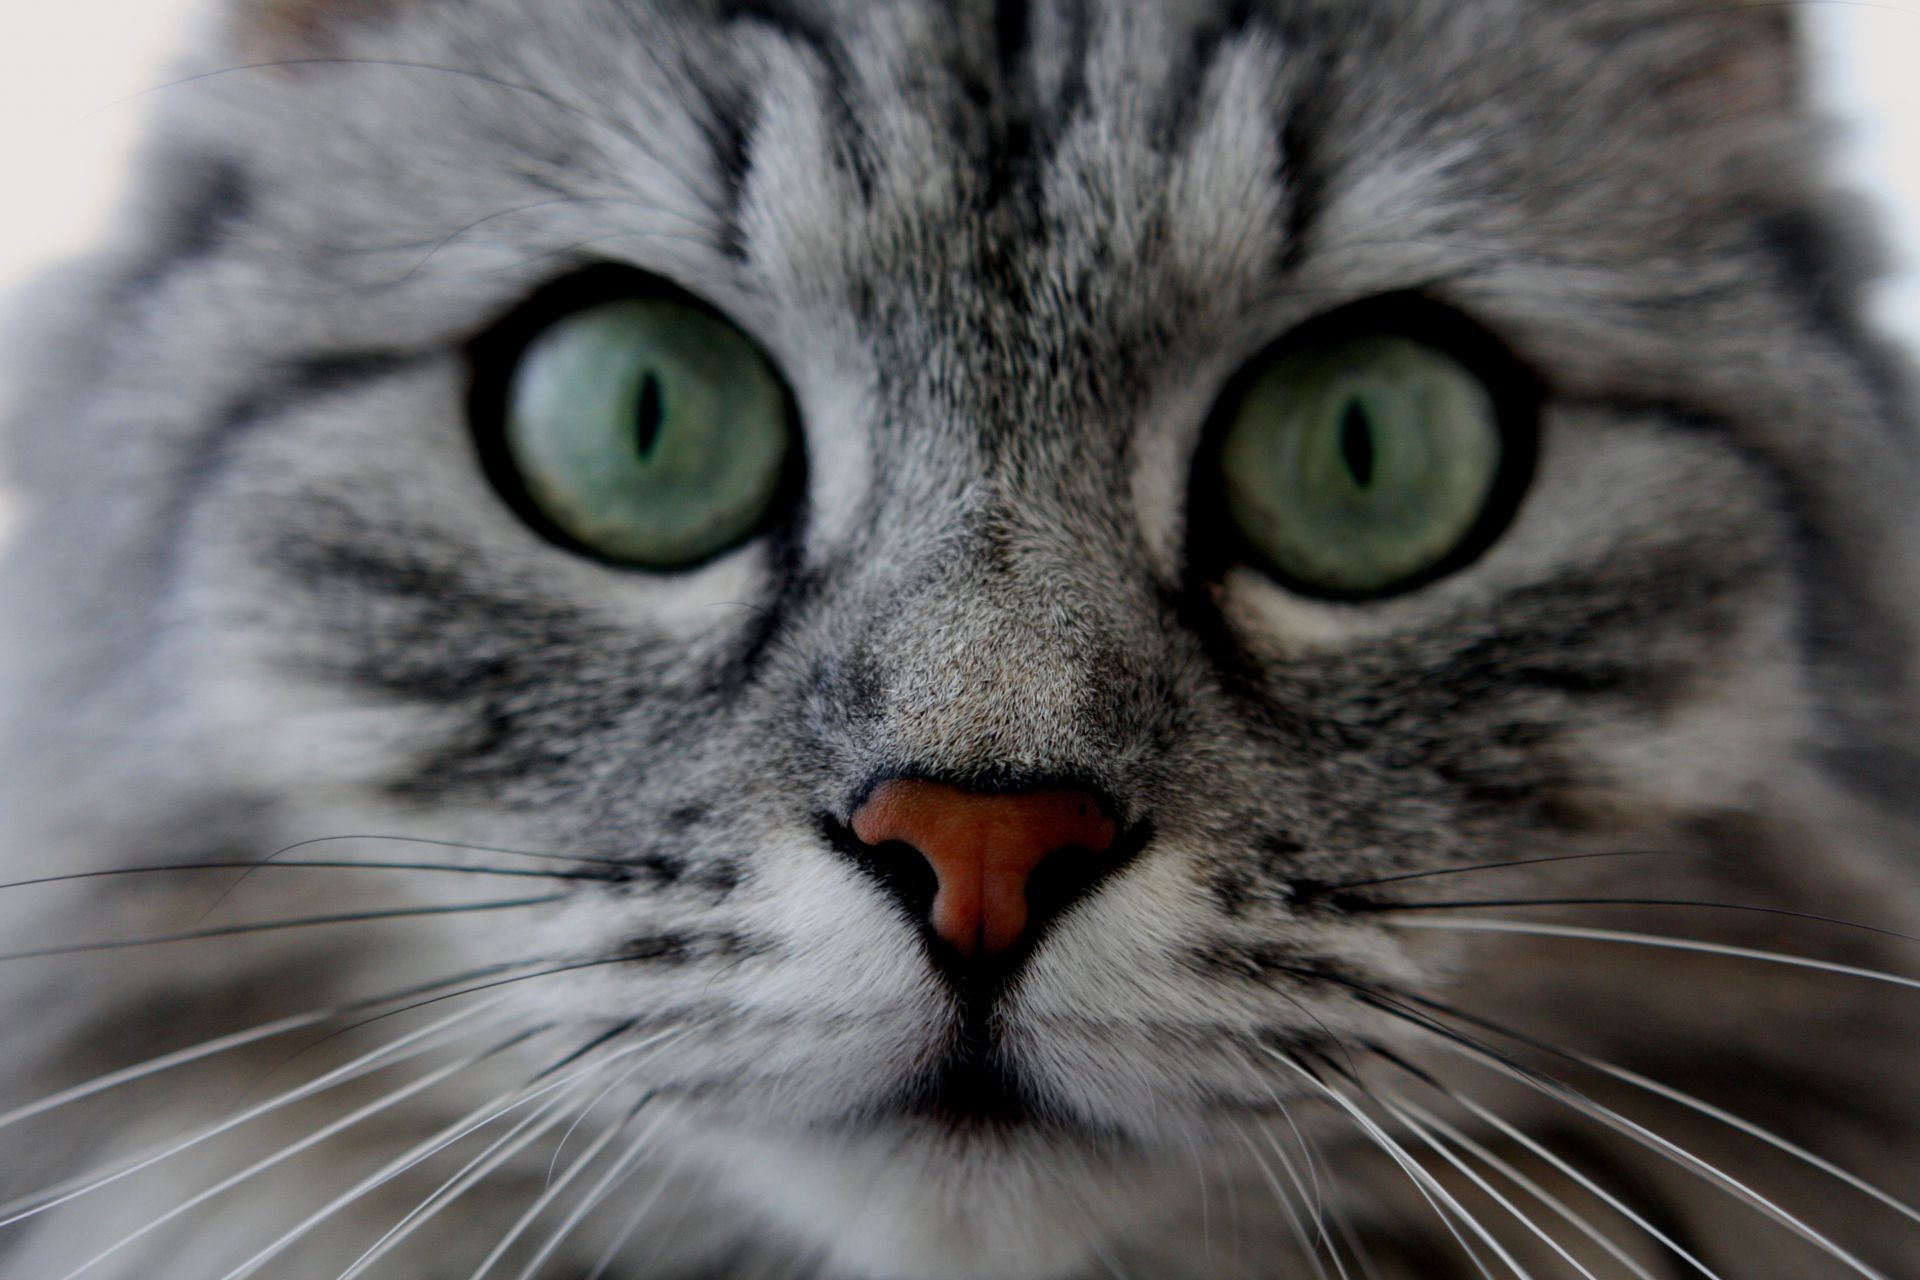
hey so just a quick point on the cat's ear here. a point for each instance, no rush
(276, 30)
(1710, 58)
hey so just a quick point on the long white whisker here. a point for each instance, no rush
(1424, 1182)
(1309, 1250)
(618, 1172)
(1652, 940)
(1331, 1205)
(284, 1154)
(552, 1192)
(1646, 1137)
(1748, 1127)
(1405, 1116)
(515, 1140)
(478, 1118)
(1508, 1170)
(1317, 1197)
(499, 1152)
(1614, 1202)
(406, 1047)
(628, 1228)
(553, 1162)
(165, 1062)
(412, 1157)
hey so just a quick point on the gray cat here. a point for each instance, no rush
(905, 641)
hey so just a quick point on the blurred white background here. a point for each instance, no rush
(69, 70)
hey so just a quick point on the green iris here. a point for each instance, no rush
(1356, 466)
(648, 430)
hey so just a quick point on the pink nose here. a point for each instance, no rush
(983, 848)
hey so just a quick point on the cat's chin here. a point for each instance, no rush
(924, 1199)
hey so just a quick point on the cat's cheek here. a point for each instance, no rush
(1740, 723)
(1611, 494)
(1131, 1013)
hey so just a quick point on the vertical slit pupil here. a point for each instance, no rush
(650, 415)
(1356, 443)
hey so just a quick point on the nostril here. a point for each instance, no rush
(897, 865)
(983, 869)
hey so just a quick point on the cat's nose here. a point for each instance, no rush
(990, 851)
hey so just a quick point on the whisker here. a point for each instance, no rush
(313, 1139)
(422, 841)
(398, 1165)
(1424, 1182)
(570, 967)
(617, 1173)
(482, 1166)
(1639, 1133)
(268, 926)
(626, 1230)
(1580, 1176)
(548, 1196)
(564, 201)
(1452, 904)
(431, 843)
(310, 864)
(1684, 1099)
(406, 1047)
(1318, 1197)
(1309, 1250)
(1345, 885)
(1439, 1148)
(165, 1062)
(481, 1116)
(516, 1139)
(1331, 1206)
(554, 1162)
(487, 971)
(1655, 940)
(1513, 1174)
(1572, 1171)
(1753, 1130)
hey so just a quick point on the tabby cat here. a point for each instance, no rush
(924, 641)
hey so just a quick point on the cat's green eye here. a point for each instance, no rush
(1361, 464)
(646, 430)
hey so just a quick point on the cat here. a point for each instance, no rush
(922, 641)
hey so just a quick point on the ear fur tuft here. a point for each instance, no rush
(269, 30)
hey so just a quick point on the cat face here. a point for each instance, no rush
(1014, 307)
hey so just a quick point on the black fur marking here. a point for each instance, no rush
(852, 149)
(681, 817)
(669, 949)
(284, 389)
(1805, 247)
(1023, 131)
(212, 194)
(1012, 30)
(1184, 90)
(1074, 92)
(1300, 175)
(729, 124)
(1304, 185)
(658, 869)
